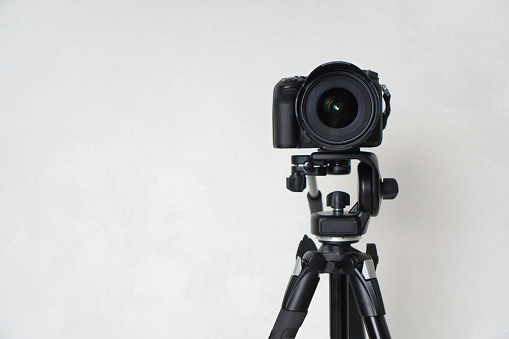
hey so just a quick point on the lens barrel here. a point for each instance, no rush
(338, 106)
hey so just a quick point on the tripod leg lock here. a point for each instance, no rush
(368, 269)
(372, 252)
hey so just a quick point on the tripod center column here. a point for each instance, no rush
(339, 306)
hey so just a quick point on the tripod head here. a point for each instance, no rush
(338, 225)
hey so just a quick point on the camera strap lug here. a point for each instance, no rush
(387, 100)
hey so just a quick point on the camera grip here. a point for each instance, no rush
(284, 120)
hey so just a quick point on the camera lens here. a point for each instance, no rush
(337, 108)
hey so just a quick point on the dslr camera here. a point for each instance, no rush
(337, 107)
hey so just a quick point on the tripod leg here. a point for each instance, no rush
(298, 295)
(369, 299)
(377, 327)
(297, 298)
(339, 306)
(355, 320)
(345, 320)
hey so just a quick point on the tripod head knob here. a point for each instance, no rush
(338, 200)
(389, 188)
(296, 182)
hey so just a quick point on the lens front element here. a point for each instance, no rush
(337, 108)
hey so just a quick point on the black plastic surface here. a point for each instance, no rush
(286, 132)
(287, 324)
(390, 188)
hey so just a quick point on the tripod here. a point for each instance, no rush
(355, 295)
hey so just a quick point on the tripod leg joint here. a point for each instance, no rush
(368, 294)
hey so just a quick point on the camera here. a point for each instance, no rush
(337, 107)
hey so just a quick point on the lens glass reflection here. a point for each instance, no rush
(337, 108)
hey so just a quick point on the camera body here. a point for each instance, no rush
(338, 107)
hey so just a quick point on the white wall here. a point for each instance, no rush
(140, 196)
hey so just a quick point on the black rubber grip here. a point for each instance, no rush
(287, 324)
